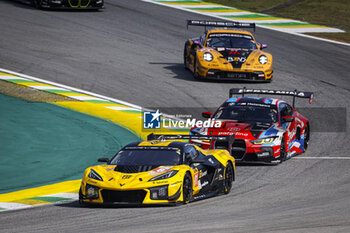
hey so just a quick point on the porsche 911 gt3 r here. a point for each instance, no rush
(227, 53)
(266, 130)
(159, 172)
(73, 4)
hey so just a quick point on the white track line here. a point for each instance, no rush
(48, 88)
(122, 108)
(13, 205)
(74, 196)
(324, 158)
(71, 88)
(5, 77)
(84, 97)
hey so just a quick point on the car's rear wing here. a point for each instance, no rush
(295, 93)
(226, 24)
(230, 139)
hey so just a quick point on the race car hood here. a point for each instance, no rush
(113, 179)
(241, 130)
(234, 56)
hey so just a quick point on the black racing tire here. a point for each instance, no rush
(283, 154)
(229, 177)
(187, 190)
(81, 197)
(195, 73)
(306, 137)
(185, 58)
(37, 4)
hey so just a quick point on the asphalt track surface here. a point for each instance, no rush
(133, 51)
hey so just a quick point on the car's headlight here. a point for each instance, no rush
(159, 193)
(91, 191)
(165, 175)
(208, 56)
(94, 175)
(263, 59)
(263, 140)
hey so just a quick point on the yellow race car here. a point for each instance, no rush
(160, 172)
(227, 53)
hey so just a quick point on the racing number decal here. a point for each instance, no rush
(196, 177)
(240, 59)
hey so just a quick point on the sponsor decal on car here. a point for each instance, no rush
(205, 183)
(203, 174)
(196, 176)
(159, 170)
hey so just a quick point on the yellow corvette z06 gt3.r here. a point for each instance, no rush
(159, 172)
(227, 53)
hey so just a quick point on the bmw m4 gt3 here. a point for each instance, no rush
(266, 130)
(68, 4)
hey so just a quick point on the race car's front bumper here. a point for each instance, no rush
(73, 4)
(261, 153)
(155, 195)
(244, 151)
(239, 76)
(265, 155)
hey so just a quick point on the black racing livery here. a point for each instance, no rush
(66, 4)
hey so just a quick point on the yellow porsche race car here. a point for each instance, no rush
(227, 53)
(160, 172)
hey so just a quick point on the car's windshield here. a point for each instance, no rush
(230, 40)
(154, 157)
(249, 114)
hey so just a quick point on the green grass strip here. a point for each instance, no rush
(15, 80)
(58, 91)
(2, 209)
(99, 101)
(131, 111)
(286, 24)
(181, 130)
(50, 199)
(249, 16)
(210, 9)
(179, 2)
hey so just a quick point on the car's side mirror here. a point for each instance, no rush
(206, 114)
(197, 42)
(288, 119)
(188, 158)
(103, 160)
(263, 46)
(198, 161)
